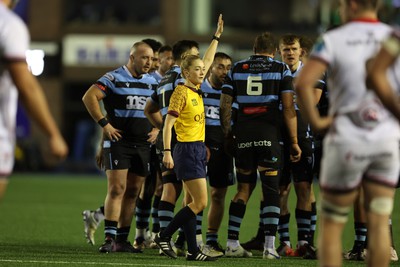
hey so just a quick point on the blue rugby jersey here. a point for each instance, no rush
(125, 99)
(211, 98)
(256, 84)
(166, 87)
(156, 75)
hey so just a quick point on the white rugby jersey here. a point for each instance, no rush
(347, 50)
(14, 42)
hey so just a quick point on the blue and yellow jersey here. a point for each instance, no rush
(125, 99)
(186, 104)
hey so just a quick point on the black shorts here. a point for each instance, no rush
(301, 171)
(190, 160)
(258, 147)
(127, 155)
(220, 168)
(171, 176)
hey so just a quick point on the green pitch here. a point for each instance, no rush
(41, 225)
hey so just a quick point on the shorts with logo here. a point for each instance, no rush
(345, 164)
(220, 167)
(6, 157)
(301, 171)
(125, 154)
(258, 146)
(190, 160)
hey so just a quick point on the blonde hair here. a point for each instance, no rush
(187, 61)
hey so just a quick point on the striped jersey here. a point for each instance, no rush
(166, 87)
(256, 84)
(156, 75)
(14, 42)
(125, 99)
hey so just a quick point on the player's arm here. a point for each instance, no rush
(290, 119)
(304, 86)
(210, 52)
(91, 99)
(377, 76)
(34, 100)
(225, 114)
(167, 136)
(153, 114)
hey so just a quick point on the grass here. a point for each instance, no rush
(41, 225)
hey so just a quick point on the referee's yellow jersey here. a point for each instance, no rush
(186, 104)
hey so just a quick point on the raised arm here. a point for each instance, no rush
(208, 57)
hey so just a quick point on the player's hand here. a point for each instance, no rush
(220, 26)
(295, 153)
(58, 147)
(167, 160)
(111, 133)
(153, 136)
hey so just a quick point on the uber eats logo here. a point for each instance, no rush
(254, 143)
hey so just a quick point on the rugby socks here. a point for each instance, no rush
(199, 236)
(236, 214)
(283, 229)
(143, 207)
(165, 213)
(271, 210)
(313, 223)
(360, 234)
(211, 236)
(187, 219)
(110, 229)
(122, 234)
(180, 239)
(303, 219)
(260, 231)
(271, 220)
(154, 214)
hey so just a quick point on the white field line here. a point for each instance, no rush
(93, 263)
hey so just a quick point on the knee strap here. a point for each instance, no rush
(334, 212)
(381, 205)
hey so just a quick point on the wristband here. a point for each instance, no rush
(215, 38)
(167, 149)
(103, 122)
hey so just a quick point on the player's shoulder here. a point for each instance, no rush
(12, 24)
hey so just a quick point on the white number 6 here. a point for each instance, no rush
(254, 85)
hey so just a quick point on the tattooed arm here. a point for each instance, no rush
(225, 114)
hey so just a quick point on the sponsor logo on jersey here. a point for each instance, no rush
(255, 143)
(109, 76)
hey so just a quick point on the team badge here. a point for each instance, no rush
(194, 102)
